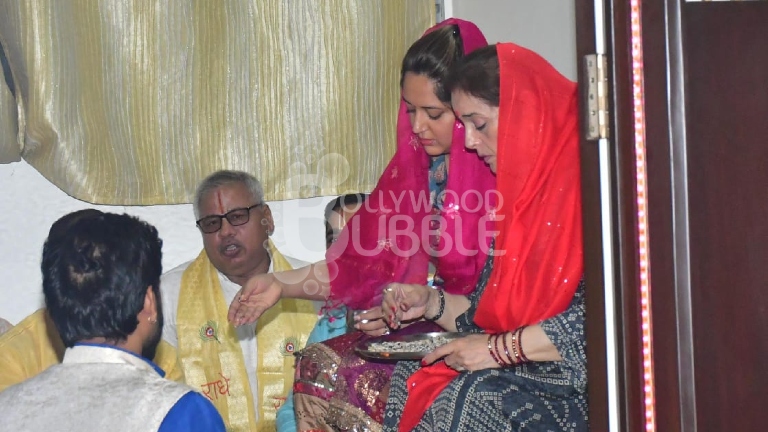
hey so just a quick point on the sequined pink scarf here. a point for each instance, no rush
(387, 240)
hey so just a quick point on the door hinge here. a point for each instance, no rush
(596, 68)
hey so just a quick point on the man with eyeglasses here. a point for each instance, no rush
(245, 371)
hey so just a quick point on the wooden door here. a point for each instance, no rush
(705, 130)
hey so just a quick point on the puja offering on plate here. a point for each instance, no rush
(423, 345)
(396, 347)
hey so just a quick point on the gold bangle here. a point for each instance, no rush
(514, 347)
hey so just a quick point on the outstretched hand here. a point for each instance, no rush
(259, 293)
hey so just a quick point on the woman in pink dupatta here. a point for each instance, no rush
(420, 212)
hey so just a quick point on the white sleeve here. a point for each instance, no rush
(170, 287)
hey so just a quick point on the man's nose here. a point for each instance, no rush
(226, 228)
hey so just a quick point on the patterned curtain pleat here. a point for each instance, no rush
(134, 102)
(10, 150)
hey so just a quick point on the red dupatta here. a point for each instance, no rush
(368, 255)
(538, 176)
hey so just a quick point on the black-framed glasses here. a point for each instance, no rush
(236, 217)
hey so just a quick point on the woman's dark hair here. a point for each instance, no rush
(477, 74)
(96, 270)
(433, 56)
(342, 201)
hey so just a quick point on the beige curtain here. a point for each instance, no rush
(10, 151)
(133, 102)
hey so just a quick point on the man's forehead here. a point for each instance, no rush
(226, 197)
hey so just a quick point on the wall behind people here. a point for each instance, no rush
(545, 26)
(30, 204)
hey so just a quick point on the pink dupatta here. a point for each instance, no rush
(387, 240)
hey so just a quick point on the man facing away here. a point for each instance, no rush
(101, 287)
(245, 371)
(33, 345)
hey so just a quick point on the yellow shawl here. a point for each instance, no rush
(33, 345)
(210, 353)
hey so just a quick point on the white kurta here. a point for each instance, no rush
(93, 389)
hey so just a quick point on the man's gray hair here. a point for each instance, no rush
(223, 178)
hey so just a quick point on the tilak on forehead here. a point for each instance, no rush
(221, 204)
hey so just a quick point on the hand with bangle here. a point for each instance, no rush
(507, 355)
(481, 351)
(441, 306)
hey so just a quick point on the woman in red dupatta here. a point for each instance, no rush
(525, 368)
(438, 201)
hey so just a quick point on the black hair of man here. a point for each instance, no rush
(96, 270)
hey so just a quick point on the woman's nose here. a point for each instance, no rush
(469, 140)
(418, 124)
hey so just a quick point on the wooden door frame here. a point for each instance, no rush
(625, 222)
(664, 122)
(664, 103)
(593, 239)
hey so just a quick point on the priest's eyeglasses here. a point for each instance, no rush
(236, 217)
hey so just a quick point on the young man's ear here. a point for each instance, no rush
(149, 311)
